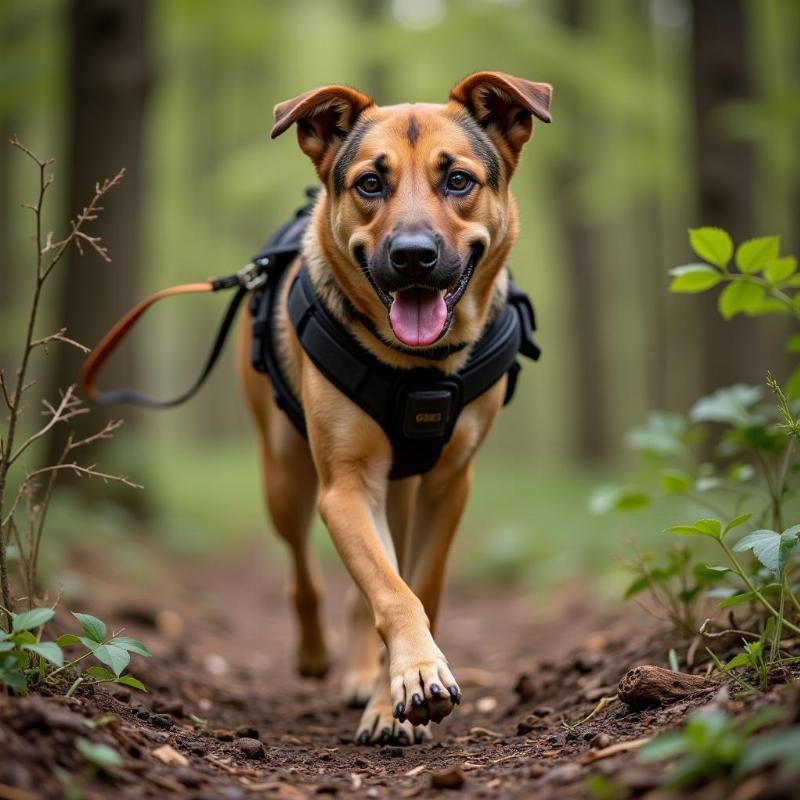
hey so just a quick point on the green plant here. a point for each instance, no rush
(27, 661)
(712, 746)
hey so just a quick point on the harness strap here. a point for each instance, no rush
(114, 337)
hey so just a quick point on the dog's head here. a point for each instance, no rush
(417, 219)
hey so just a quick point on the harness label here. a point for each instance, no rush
(427, 412)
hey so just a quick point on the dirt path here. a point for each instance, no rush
(239, 724)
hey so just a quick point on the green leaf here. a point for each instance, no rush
(779, 269)
(67, 640)
(694, 278)
(771, 548)
(735, 523)
(100, 755)
(792, 388)
(703, 527)
(114, 657)
(6, 646)
(742, 660)
(662, 434)
(617, 498)
(740, 297)
(89, 644)
(30, 620)
(49, 651)
(94, 628)
(636, 586)
(668, 745)
(778, 747)
(745, 597)
(754, 254)
(131, 645)
(14, 679)
(135, 683)
(711, 244)
(740, 473)
(793, 345)
(729, 405)
(675, 481)
(101, 673)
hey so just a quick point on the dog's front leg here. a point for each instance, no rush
(353, 458)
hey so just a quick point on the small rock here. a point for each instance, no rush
(542, 711)
(525, 688)
(586, 662)
(250, 748)
(121, 694)
(327, 788)
(172, 707)
(390, 751)
(527, 725)
(224, 734)
(600, 741)
(565, 773)
(452, 778)
(536, 771)
(248, 732)
(486, 704)
(161, 721)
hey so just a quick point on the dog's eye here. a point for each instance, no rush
(459, 182)
(369, 185)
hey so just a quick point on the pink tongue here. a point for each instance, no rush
(418, 316)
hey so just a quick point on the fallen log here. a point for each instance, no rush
(649, 685)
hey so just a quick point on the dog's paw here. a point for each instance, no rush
(424, 692)
(313, 660)
(378, 727)
(357, 686)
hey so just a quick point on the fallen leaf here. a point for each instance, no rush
(170, 756)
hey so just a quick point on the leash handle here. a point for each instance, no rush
(114, 337)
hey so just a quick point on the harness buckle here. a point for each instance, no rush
(253, 275)
(429, 411)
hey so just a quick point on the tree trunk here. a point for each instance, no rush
(109, 78)
(582, 249)
(742, 349)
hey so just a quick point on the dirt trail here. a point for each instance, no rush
(223, 695)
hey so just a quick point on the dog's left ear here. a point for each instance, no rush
(324, 117)
(505, 106)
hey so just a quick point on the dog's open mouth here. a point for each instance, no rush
(421, 315)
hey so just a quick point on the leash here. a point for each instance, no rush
(251, 276)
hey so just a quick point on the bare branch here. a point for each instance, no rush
(15, 142)
(4, 388)
(106, 433)
(69, 407)
(59, 337)
(78, 469)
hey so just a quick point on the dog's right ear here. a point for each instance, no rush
(324, 117)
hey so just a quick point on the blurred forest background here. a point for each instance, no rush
(667, 114)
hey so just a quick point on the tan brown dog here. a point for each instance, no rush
(408, 191)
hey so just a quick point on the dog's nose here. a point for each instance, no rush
(413, 253)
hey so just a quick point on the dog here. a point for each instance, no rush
(411, 230)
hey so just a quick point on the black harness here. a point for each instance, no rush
(416, 408)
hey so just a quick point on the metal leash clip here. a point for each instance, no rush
(253, 276)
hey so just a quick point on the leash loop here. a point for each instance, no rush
(252, 276)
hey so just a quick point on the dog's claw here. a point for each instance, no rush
(455, 694)
(363, 737)
(435, 689)
(400, 712)
(416, 700)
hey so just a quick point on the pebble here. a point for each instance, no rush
(248, 732)
(250, 748)
(527, 725)
(224, 734)
(586, 662)
(172, 707)
(600, 741)
(542, 711)
(123, 695)
(566, 773)
(452, 778)
(161, 721)
(327, 788)
(525, 688)
(391, 752)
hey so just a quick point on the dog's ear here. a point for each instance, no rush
(505, 106)
(324, 117)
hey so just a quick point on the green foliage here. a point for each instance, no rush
(27, 661)
(712, 746)
(99, 755)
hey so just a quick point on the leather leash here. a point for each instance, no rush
(250, 277)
